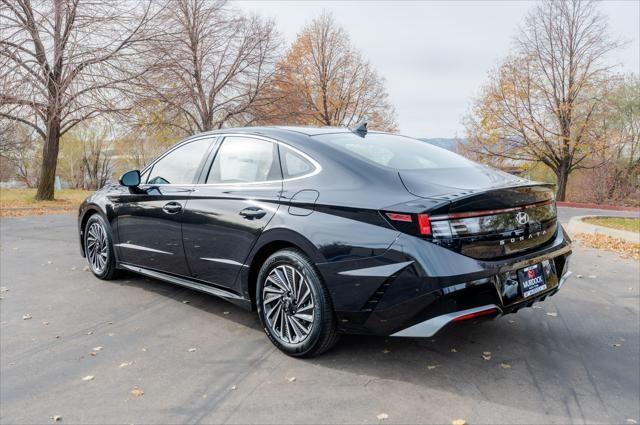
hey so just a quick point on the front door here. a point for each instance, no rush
(150, 217)
(226, 214)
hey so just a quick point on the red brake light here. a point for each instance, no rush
(400, 217)
(424, 224)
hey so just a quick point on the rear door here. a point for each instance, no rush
(150, 217)
(228, 211)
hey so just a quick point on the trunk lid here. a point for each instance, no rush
(485, 213)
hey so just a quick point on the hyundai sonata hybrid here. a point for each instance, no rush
(327, 231)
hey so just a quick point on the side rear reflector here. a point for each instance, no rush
(424, 224)
(400, 217)
(469, 316)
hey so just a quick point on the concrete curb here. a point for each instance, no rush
(576, 225)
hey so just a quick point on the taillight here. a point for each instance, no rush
(424, 224)
(400, 217)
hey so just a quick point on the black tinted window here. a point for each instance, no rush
(294, 164)
(398, 152)
(180, 165)
(245, 160)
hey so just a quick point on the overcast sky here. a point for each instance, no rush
(435, 54)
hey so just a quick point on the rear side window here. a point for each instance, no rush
(294, 164)
(397, 152)
(180, 165)
(245, 160)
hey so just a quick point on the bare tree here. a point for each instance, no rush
(324, 80)
(541, 103)
(65, 61)
(210, 66)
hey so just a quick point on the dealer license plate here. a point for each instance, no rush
(532, 280)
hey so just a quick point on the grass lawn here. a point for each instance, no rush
(20, 202)
(620, 223)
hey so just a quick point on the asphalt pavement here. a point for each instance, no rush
(156, 353)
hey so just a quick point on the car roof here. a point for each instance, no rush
(278, 130)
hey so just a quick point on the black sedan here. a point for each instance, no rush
(326, 231)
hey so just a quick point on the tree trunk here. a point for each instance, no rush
(46, 184)
(562, 175)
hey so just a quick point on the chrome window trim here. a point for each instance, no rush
(316, 165)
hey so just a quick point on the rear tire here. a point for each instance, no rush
(98, 248)
(294, 306)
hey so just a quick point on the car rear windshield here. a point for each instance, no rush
(397, 152)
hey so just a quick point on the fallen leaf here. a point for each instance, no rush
(125, 364)
(56, 418)
(382, 416)
(192, 349)
(88, 378)
(626, 249)
(137, 392)
(26, 316)
(505, 365)
(93, 354)
(552, 314)
(459, 422)
(432, 366)
(486, 355)
(292, 379)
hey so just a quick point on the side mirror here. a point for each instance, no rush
(130, 178)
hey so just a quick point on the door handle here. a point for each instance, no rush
(172, 208)
(253, 212)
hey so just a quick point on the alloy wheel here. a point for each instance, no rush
(97, 247)
(288, 304)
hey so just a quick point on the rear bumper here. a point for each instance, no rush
(416, 288)
(432, 326)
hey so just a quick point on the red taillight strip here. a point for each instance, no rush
(400, 217)
(487, 212)
(476, 314)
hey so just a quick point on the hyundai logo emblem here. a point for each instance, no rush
(522, 217)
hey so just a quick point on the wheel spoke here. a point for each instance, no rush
(272, 298)
(305, 317)
(275, 280)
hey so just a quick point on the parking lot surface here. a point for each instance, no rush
(150, 352)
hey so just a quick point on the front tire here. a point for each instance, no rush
(98, 248)
(294, 306)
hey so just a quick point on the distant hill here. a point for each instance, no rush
(446, 143)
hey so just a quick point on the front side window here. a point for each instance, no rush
(180, 165)
(245, 160)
